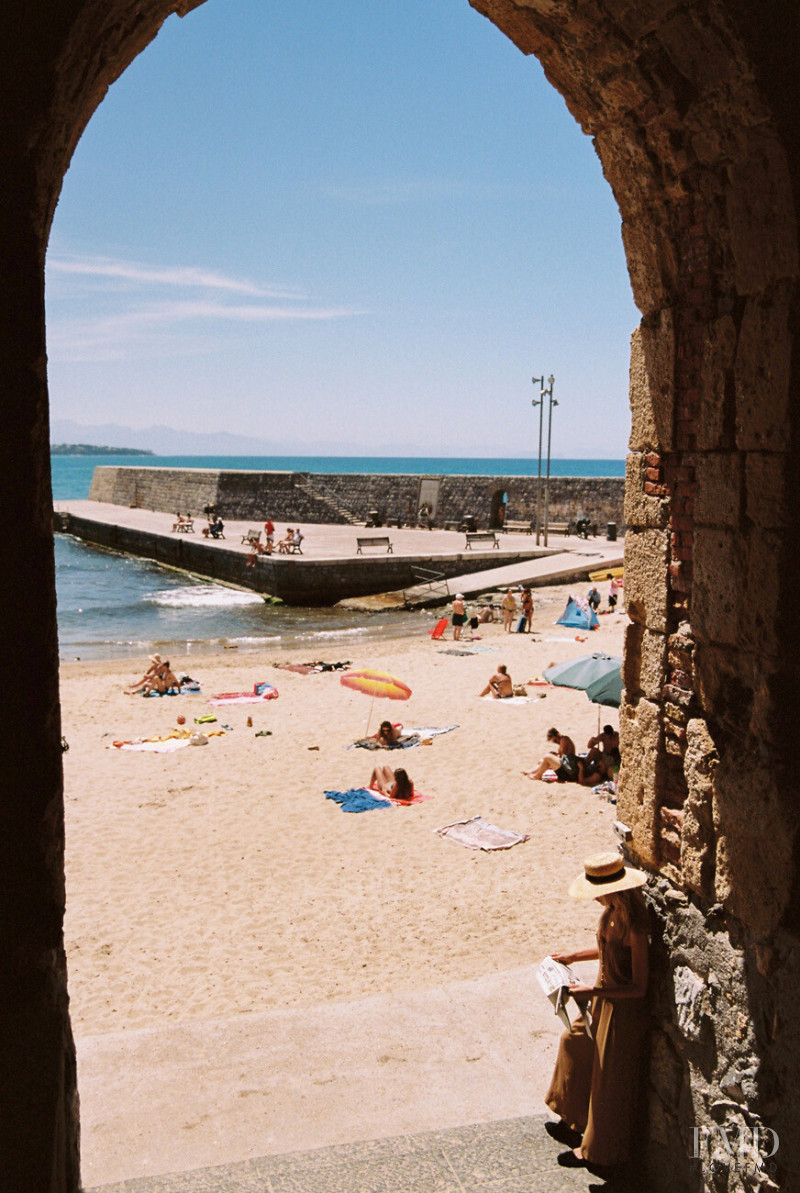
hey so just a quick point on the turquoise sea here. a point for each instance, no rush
(112, 606)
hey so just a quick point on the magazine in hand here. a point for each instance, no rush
(556, 979)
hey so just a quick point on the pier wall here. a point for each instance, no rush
(296, 580)
(350, 497)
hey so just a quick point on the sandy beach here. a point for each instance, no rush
(218, 881)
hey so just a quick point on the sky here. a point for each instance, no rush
(355, 227)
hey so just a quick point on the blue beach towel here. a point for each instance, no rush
(357, 799)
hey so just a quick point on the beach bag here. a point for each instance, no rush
(521, 625)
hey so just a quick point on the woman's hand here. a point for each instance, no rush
(582, 992)
(562, 958)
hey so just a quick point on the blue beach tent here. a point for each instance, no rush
(578, 615)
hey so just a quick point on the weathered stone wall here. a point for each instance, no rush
(342, 497)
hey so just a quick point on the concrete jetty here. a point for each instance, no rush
(330, 568)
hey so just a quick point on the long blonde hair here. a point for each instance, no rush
(623, 911)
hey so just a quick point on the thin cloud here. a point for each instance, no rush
(167, 327)
(129, 318)
(165, 275)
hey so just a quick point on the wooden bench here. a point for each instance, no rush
(375, 540)
(518, 527)
(564, 528)
(481, 536)
(184, 527)
(253, 537)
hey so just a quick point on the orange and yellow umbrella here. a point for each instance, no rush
(376, 684)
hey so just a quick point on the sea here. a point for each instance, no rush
(113, 606)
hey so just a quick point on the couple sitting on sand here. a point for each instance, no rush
(157, 678)
(595, 766)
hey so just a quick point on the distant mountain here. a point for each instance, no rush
(166, 441)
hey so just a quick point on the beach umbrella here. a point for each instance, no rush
(580, 673)
(602, 673)
(607, 689)
(376, 684)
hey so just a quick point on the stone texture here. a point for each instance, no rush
(639, 779)
(646, 580)
(762, 369)
(652, 381)
(719, 492)
(342, 497)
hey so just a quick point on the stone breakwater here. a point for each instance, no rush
(341, 497)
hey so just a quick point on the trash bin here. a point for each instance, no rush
(470, 523)
(611, 532)
(373, 518)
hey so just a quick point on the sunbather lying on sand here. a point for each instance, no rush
(500, 685)
(394, 783)
(388, 735)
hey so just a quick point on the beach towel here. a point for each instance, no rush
(457, 652)
(153, 747)
(418, 797)
(478, 833)
(425, 731)
(509, 699)
(358, 799)
(164, 743)
(260, 692)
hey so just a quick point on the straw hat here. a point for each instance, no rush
(605, 874)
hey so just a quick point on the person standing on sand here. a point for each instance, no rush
(613, 592)
(508, 606)
(527, 608)
(269, 532)
(596, 1084)
(459, 615)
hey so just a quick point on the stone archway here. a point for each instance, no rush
(692, 107)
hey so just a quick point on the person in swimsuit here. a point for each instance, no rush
(596, 1085)
(459, 615)
(388, 735)
(394, 783)
(566, 764)
(500, 685)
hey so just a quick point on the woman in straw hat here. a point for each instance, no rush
(595, 1085)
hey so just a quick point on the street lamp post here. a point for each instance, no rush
(540, 403)
(551, 403)
(544, 392)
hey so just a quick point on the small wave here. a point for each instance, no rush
(202, 597)
(332, 633)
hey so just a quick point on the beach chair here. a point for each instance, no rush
(439, 629)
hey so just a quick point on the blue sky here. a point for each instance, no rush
(358, 226)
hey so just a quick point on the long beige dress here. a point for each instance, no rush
(596, 1083)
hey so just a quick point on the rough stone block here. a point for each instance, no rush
(644, 662)
(719, 489)
(638, 800)
(641, 510)
(759, 215)
(652, 383)
(754, 868)
(719, 588)
(716, 374)
(698, 837)
(646, 577)
(762, 371)
(766, 489)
